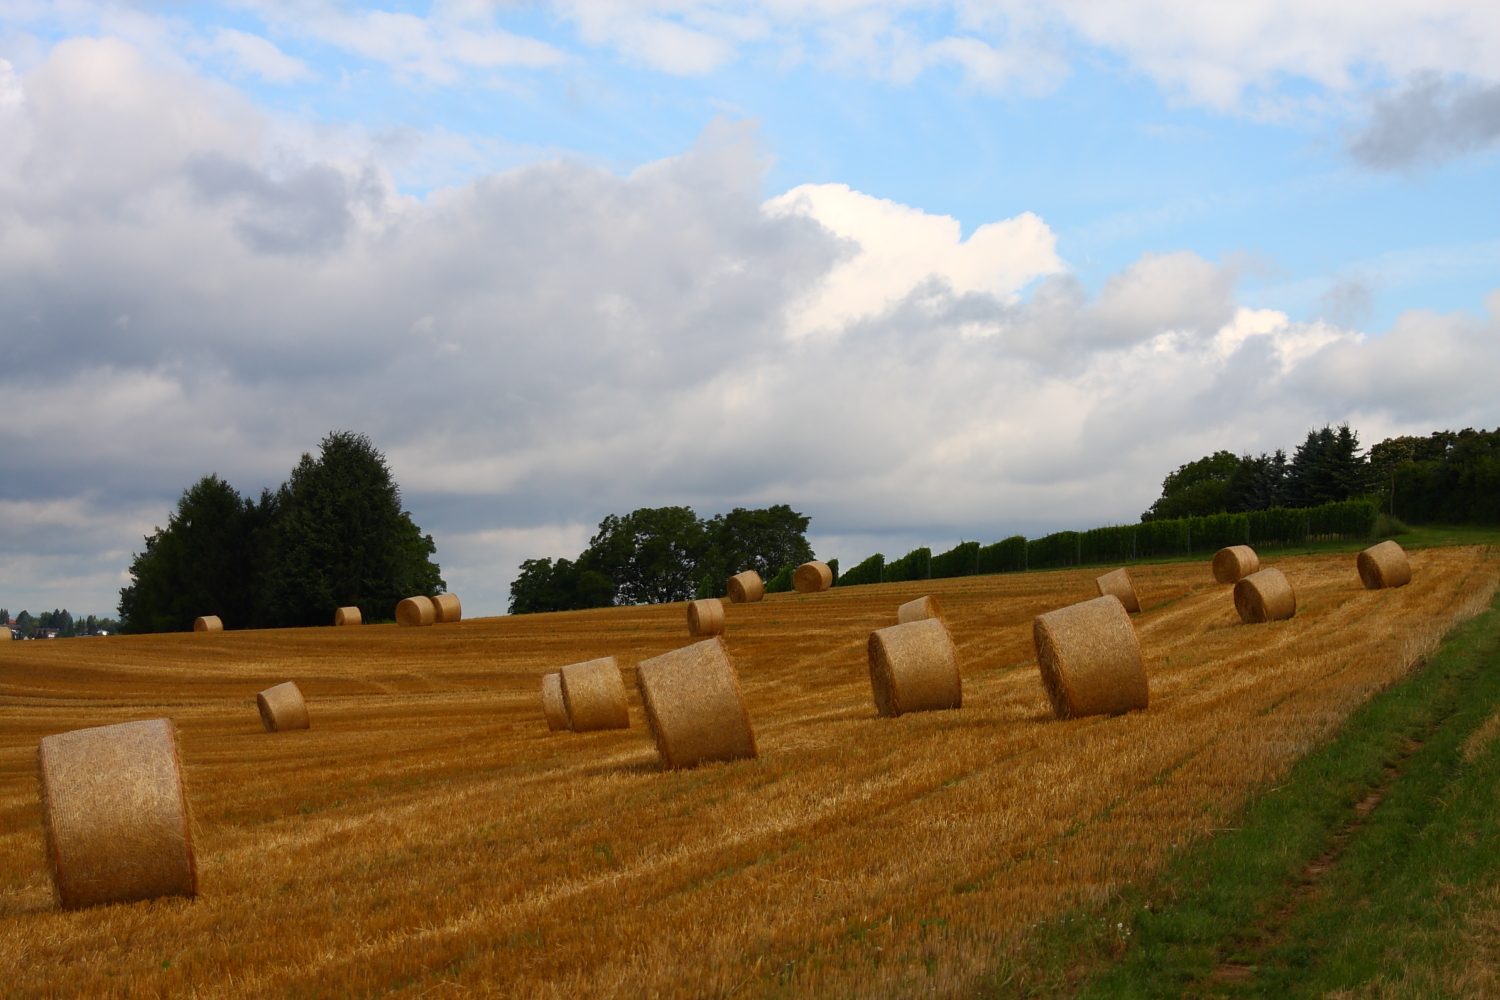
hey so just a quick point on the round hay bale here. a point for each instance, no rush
(282, 708)
(1265, 596)
(705, 617)
(416, 611)
(553, 706)
(447, 608)
(5, 635)
(1090, 659)
(745, 588)
(812, 577)
(594, 696)
(1384, 565)
(914, 668)
(208, 623)
(348, 616)
(1117, 583)
(116, 819)
(918, 610)
(694, 707)
(1233, 564)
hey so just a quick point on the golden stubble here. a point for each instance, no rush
(429, 829)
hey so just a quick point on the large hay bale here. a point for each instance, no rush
(594, 696)
(5, 635)
(705, 617)
(1090, 659)
(282, 708)
(745, 588)
(1265, 596)
(914, 668)
(553, 706)
(1117, 583)
(348, 616)
(416, 611)
(447, 608)
(1384, 565)
(694, 706)
(812, 577)
(1233, 564)
(208, 623)
(918, 610)
(116, 819)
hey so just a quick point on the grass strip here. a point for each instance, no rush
(1359, 876)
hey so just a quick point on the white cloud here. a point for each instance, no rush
(255, 56)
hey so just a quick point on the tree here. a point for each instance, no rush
(1196, 489)
(651, 554)
(201, 563)
(339, 538)
(1326, 468)
(565, 586)
(766, 540)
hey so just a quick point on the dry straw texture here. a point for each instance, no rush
(447, 608)
(553, 706)
(1116, 583)
(918, 610)
(745, 588)
(430, 836)
(694, 706)
(5, 635)
(914, 668)
(115, 816)
(282, 707)
(812, 577)
(1090, 659)
(348, 616)
(1265, 596)
(208, 623)
(705, 617)
(1384, 565)
(594, 696)
(1234, 563)
(416, 611)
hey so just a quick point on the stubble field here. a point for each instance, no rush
(429, 836)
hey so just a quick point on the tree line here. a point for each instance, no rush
(333, 535)
(654, 555)
(29, 626)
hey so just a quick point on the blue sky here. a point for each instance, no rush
(1226, 226)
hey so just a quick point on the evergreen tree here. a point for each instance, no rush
(340, 538)
(1268, 484)
(1326, 468)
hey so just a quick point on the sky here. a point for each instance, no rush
(926, 271)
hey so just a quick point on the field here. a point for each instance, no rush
(429, 836)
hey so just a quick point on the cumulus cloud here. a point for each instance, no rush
(540, 347)
(1428, 121)
(252, 55)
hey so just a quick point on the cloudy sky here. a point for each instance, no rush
(927, 271)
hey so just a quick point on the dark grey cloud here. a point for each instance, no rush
(1431, 119)
(308, 211)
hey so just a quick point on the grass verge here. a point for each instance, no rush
(1372, 871)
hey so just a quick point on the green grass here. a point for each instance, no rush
(1357, 877)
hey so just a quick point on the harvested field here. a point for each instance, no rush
(429, 832)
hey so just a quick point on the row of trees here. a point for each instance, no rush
(659, 554)
(333, 535)
(1450, 477)
(28, 626)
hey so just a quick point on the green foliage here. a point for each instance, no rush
(563, 586)
(872, 570)
(1389, 527)
(1008, 556)
(1448, 478)
(915, 565)
(764, 540)
(651, 554)
(961, 560)
(333, 535)
(1201, 487)
(833, 565)
(782, 581)
(1327, 468)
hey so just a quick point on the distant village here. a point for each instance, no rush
(56, 624)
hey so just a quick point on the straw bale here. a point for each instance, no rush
(705, 617)
(915, 611)
(1384, 565)
(447, 608)
(1090, 659)
(348, 616)
(914, 668)
(594, 695)
(5, 635)
(416, 611)
(116, 819)
(553, 705)
(1117, 583)
(694, 707)
(745, 588)
(282, 708)
(1265, 596)
(208, 623)
(1233, 564)
(812, 577)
